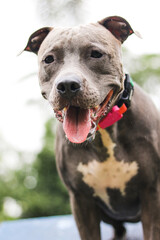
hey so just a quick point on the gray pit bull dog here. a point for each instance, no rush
(112, 174)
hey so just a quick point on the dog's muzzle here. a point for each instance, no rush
(79, 124)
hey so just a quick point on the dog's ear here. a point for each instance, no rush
(118, 26)
(36, 39)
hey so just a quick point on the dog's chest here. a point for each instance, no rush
(109, 174)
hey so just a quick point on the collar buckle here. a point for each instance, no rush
(127, 94)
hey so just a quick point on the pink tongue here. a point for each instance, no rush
(77, 124)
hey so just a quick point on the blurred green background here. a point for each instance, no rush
(33, 188)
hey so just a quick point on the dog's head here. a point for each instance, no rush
(80, 72)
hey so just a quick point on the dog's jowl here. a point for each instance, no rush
(108, 135)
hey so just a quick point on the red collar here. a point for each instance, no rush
(113, 116)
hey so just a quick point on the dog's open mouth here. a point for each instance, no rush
(80, 124)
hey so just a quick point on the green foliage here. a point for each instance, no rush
(49, 197)
(37, 187)
(144, 68)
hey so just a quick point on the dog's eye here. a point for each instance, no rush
(96, 54)
(49, 59)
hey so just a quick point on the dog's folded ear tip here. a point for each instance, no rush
(138, 34)
(27, 49)
(20, 52)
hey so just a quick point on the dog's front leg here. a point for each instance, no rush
(151, 214)
(86, 216)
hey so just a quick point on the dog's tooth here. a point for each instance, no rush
(91, 112)
(95, 109)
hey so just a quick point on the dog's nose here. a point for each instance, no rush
(68, 87)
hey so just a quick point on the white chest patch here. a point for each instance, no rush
(108, 174)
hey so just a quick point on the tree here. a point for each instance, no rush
(49, 197)
(36, 188)
(144, 69)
